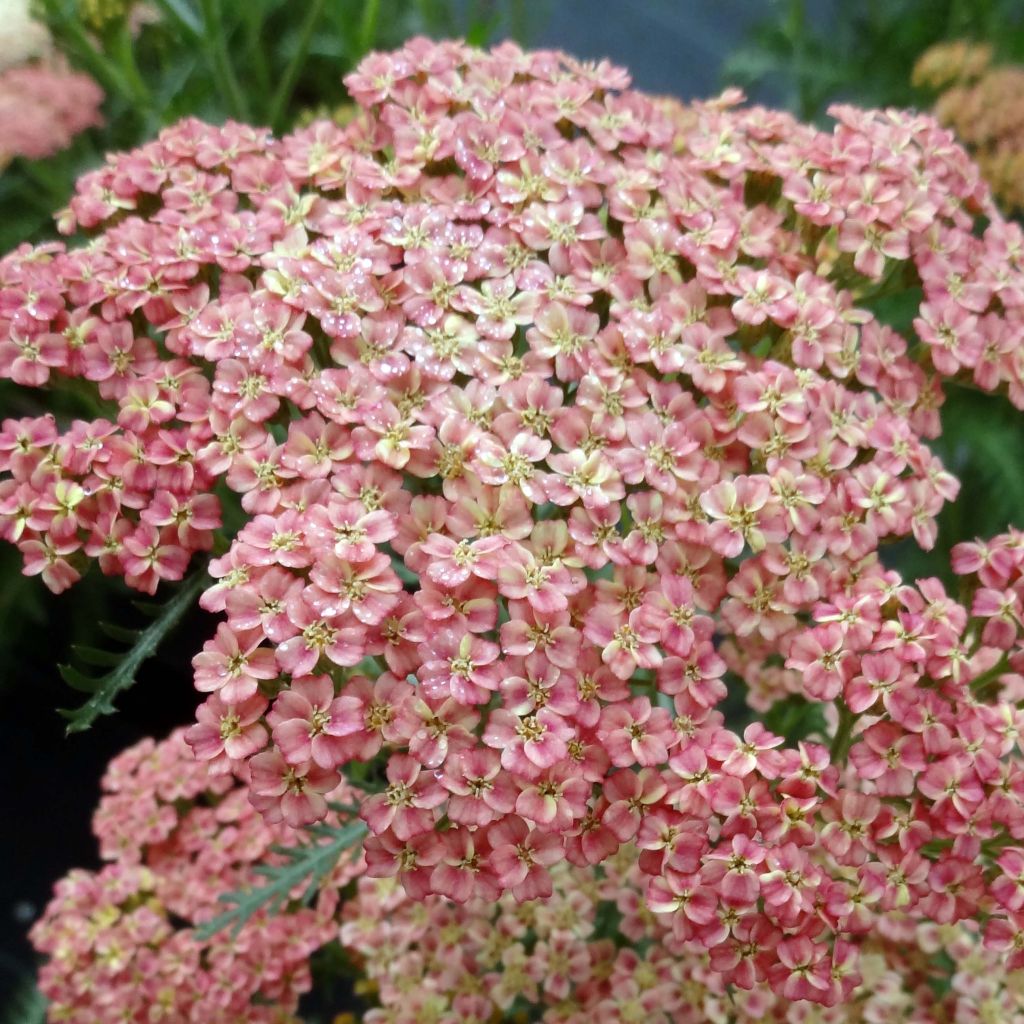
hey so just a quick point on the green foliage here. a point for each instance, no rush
(21, 599)
(305, 865)
(266, 58)
(27, 1005)
(124, 666)
(863, 52)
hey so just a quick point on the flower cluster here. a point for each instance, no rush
(592, 952)
(121, 941)
(981, 102)
(550, 407)
(43, 106)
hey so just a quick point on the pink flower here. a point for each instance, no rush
(625, 646)
(742, 514)
(299, 721)
(520, 857)
(233, 665)
(636, 733)
(629, 794)
(406, 806)
(825, 661)
(549, 436)
(44, 106)
(463, 870)
(348, 529)
(480, 791)
(554, 799)
(225, 732)
(367, 715)
(545, 587)
(290, 793)
(452, 564)
(802, 971)
(535, 741)
(461, 666)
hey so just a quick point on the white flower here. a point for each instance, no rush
(21, 37)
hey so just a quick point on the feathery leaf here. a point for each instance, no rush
(124, 667)
(309, 863)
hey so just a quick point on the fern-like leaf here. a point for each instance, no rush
(307, 864)
(123, 666)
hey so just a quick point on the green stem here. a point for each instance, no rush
(286, 86)
(105, 71)
(368, 25)
(844, 735)
(254, 52)
(219, 57)
(122, 49)
(980, 685)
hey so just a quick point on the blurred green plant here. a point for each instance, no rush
(819, 52)
(26, 1005)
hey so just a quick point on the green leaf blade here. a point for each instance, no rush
(310, 863)
(105, 688)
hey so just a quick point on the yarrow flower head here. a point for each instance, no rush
(43, 106)
(123, 940)
(979, 99)
(548, 407)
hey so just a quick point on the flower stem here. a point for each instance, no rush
(220, 59)
(286, 86)
(844, 735)
(368, 25)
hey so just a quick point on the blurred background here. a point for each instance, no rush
(79, 78)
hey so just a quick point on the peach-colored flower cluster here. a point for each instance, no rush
(43, 106)
(552, 413)
(121, 941)
(592, 952)
(981, 101)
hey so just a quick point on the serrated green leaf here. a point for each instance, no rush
(145, 642)
(77, 680)
(121, 634)
(312, 861)
(95, 656)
